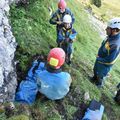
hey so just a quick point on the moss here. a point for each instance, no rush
(2, 116)
(19, 117)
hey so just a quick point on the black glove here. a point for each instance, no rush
(71, 41)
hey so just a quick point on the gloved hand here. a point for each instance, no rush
(59, 22)
(71, 41)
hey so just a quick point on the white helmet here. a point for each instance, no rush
(67, 19)
(114, 23)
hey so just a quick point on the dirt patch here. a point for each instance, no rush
(79, 114)
(36, 114)
(60, 107)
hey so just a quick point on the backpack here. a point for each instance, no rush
(94, 112)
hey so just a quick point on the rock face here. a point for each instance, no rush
(8, 78)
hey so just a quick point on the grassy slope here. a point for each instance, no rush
(108, 10)
(35, 35)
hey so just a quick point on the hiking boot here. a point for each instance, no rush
(117, 97)
(118, 86)
(99, 84)
(93, 79)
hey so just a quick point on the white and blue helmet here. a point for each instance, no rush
(114, 23)
(67, 19)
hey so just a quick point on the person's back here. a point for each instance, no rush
(54, 85)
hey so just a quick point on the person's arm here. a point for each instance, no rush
(112, 56)
(60, 36)
(30, 72)
(55, 19)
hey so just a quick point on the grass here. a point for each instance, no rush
(108, 10)
(35, 35)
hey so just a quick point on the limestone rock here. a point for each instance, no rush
(8, 78)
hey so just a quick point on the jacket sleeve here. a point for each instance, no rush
(53, 20)
(60, 36)
(111, 58)
(30, 72)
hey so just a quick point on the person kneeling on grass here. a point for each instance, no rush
(47, 78)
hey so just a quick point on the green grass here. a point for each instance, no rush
(35, 35)
(109, 9)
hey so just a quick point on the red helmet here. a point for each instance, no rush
(62, 4)
(56, 57)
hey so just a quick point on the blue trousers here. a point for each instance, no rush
(101, 71)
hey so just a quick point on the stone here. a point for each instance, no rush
(8, 77)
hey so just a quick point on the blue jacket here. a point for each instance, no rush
(54, 85)
(109, 50)
(57, 16)
(66, 33)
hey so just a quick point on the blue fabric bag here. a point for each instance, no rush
(94, 112)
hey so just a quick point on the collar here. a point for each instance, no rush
(60, 12)
(114, 36)
(53, 70)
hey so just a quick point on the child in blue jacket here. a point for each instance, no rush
(66, 37)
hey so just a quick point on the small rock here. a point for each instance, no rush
(86, 96)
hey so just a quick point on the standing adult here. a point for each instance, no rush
(108, 52)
